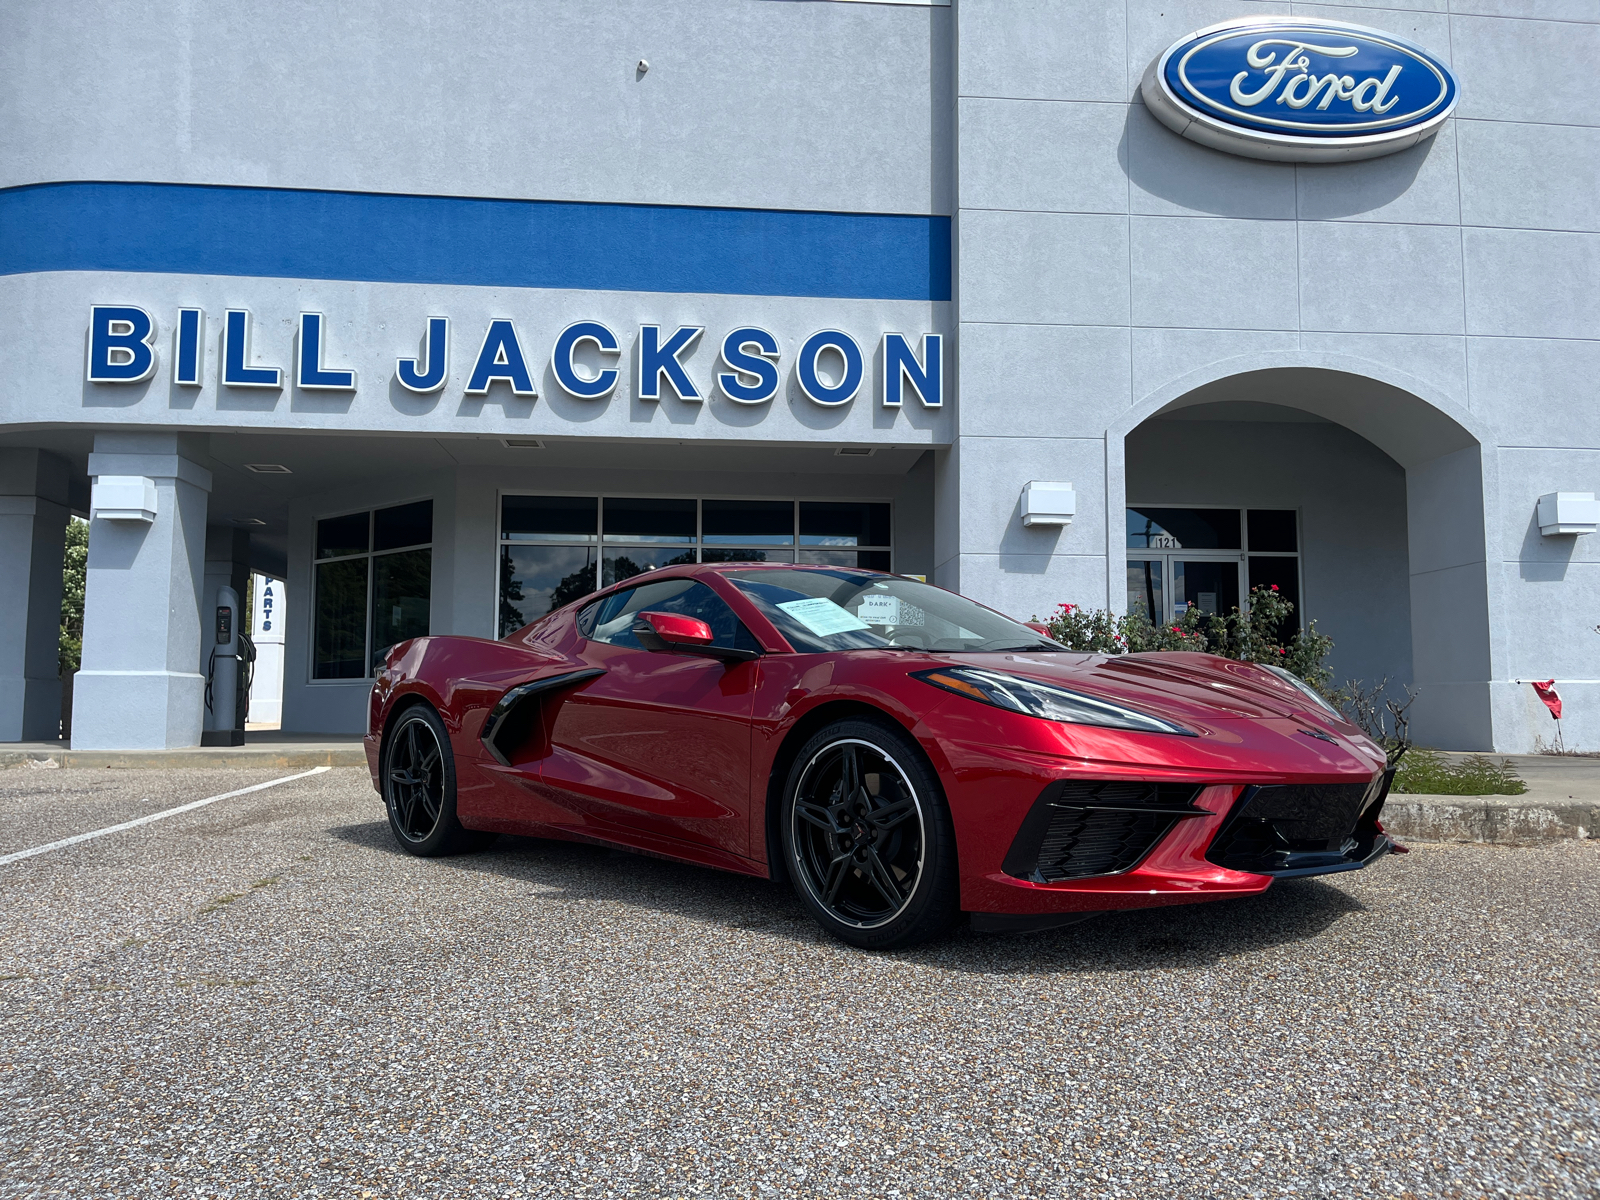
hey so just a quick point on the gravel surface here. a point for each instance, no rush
(263, 998)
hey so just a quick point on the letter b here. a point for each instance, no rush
(120, 338)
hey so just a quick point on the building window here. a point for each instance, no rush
(374, 574)
(1210, 558)
(557, 549)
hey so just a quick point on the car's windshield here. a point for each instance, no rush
(847, 610)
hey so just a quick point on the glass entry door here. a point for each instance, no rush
(1208, 558)
(1165, 586)
(1209, 584)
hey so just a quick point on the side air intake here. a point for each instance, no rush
(513, 718)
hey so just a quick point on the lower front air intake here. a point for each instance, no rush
(1082, 828)
(1304, 829)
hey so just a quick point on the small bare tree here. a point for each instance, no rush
(1382, 717)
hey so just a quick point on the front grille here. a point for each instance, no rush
(1079, 828)
(1304, 828)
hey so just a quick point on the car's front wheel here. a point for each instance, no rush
(419, 787)
(867, 837)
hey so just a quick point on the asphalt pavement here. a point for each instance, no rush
(262, 997)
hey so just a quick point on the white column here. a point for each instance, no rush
(33, 522)
(139, 687)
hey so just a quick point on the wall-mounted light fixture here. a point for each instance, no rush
(123, 498)
(1568, 513)
(1048, 504)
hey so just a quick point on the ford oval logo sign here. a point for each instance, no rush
(1299, 89)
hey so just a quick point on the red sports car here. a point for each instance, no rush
(900, 753)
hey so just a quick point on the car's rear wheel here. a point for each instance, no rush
(419, 787)
(867, 837)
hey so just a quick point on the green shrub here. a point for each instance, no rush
(1428, 773)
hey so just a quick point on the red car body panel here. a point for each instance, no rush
(676, 754)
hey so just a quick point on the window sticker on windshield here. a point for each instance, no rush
(821, 616)
(879, 610)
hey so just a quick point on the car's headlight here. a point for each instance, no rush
(1035, 699)
(1305, 689)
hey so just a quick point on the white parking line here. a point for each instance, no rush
(159, 816)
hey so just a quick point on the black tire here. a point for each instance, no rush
(419, 787)
(867, 837)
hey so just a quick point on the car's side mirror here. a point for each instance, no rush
(672, 631)
(682, 634)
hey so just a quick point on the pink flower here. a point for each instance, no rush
(1274, 587)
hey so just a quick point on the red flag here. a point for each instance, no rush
(1547, 692)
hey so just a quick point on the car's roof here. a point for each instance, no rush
(725, 567)
(692, 570)
(688, 571)
(782, 566)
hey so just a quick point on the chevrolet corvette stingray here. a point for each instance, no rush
(898, 753)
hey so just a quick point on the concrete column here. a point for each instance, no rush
(33, 523)
(947, 517)
(227, 560)
(1451, 647)
(981, 547)
(140, 687)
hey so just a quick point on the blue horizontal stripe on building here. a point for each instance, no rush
(285, 233)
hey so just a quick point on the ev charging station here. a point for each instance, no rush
(227, 673)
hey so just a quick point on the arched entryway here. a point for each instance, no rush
(1360, 490)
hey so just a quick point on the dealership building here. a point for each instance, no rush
(446, 314)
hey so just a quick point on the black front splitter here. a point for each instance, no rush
(1381, 845)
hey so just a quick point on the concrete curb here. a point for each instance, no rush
(264, 757)
(1503, 820)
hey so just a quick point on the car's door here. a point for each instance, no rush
(660, 744)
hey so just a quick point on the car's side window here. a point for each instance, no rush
(611, 620)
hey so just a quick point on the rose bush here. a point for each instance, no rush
(1256, 634)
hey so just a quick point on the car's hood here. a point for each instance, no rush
(1177, 685)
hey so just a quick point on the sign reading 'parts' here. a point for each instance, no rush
(1299, 89)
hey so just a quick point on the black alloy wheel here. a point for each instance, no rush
(419, 786)
(416, 779)
(867, 837)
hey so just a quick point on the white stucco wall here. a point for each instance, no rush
(741, 107)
